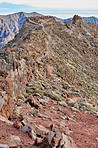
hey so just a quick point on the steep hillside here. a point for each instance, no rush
(49, 72)
(11, 24)
(63, 55)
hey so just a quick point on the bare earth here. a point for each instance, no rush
(84, 130)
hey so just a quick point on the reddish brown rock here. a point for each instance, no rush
(11, 141)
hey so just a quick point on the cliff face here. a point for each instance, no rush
(11, 24)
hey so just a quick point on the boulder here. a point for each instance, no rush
(57, 140)
(41, 130)
(10, 141)
(4, 146)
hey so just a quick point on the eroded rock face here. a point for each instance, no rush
(18, 79)
(6, 105)
(13, 83)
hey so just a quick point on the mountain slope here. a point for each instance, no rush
(49, 72)
(11, 24)
(67, 54)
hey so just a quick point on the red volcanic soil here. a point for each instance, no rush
(6, 129)
(84, 129)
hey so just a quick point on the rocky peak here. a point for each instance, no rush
(76, 18)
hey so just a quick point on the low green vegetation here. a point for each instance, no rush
(54, 97)
(59, 70)
(36, 91)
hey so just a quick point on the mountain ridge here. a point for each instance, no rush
(48, 83)
(12, 23)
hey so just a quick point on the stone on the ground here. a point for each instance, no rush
(57, 139)
(74, 109)
(41, 130)
(1, 103)
(32, 135)
(4, 146)
(67, 142)
(11, 141)
(26, 129)
(50, 137)
(63, 103)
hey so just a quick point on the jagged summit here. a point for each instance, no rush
(76, 18)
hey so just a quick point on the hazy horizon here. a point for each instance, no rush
(9, 8)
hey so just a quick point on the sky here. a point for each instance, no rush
(60, 8)
(58, 4)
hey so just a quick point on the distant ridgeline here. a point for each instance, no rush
(91, 19)
(11, 24)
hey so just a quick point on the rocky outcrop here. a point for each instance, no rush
(76, 18)
(13, 83)
(6, 100)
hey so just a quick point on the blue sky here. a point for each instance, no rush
(61, 8)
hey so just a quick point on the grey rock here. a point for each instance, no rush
(41, 130)
(67, 142)
(13, 141)
(26, 129)
(1, 103)
(3, 93)
(33, 135)
(39, 140)
(63, 117)
(44, 119)
(74, 109)
(54, 102)
(43, 115)
(4, 146)
(50, 137)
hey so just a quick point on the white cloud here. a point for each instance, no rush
(64, 4)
